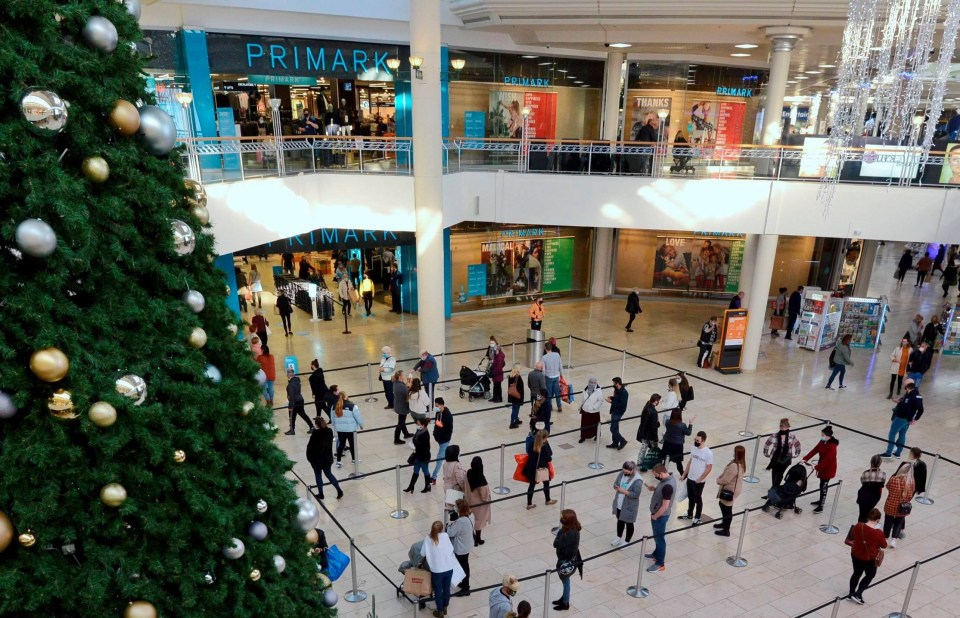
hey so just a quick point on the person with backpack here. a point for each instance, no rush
(840, 360)
(781, 448)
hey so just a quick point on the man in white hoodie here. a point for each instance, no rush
(501, 602)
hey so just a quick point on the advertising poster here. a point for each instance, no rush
(527, 266)
(476, 279)
(505, 119)
(730, 127)
(497, 256)
(880, 161)
(542, 123)
(950, 172)
(522, 267)
(702, 264)
(702, 126)
(646, 108)
(813, 160)
(557, 264)
(475, 124)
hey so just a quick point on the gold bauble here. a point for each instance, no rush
(6, 532)
(179, 456)
(202, 214)
(312, 537)
(198, 338)
(60, 405)
(113, 494)
(96, 169)
(140, 609)
(125, 117)
(27, 539)
(49, 364)
(102, 414)
(324, 580)
(247, 408)
(255, 574)
(197, 194)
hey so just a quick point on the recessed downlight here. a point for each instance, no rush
(746, 46)
(827, 66)
(619, 45)
(740, 55)
(813, 72)
(528, 57)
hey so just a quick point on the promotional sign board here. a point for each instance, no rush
(648, 108)
(730, 126)
(290, 362)
(476, 279)
(542, 122)
(813, 160)
(732, 335)
(523, 266)
(703, 264)
(880, 161)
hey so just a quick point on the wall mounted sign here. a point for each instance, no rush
(533, 231)
(326, 239)
(535, 82)
(735, 92)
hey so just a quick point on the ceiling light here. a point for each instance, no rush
(828, 66)
(585, 86)
(571, 77)
(619, 45)
(813, 72)
(746, 46)
(529, 57)
(543, 64)
(792, 81)
(740, 55)
(561, 70)
(801, 77)
(578, 82)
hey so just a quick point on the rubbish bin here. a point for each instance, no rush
(535, 339)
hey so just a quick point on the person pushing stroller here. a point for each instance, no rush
(785, 495)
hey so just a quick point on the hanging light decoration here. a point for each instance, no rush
(884, 60)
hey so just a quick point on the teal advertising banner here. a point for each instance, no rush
(476, 279)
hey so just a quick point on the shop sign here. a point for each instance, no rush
(282, 80)
(735, 92)
(534, 82)
(315, 58)
(531, 232)
(332, 238)
(720, 234)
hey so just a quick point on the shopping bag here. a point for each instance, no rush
(521, 459)
(564, 389)
(354, 296)
(681, 493)
(417, 583)
(569, 398)
(552, 472)
(337, 563)
(650, 458)
(777, 322)
(452, 496)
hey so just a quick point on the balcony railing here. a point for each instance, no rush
(230, 159)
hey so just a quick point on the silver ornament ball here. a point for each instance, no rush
(330, 597)
(36, 238)
(308, 516)
(209, 578)
(158, 130)
(133, 7)
(213, 374)
(261, 506)
(133, 387)
(194, 300)
(44, 110)
(100, 33)
(9, 410)
(234, 551)
(258, 530)
(261, 377)
(184, 240)
(279, 563)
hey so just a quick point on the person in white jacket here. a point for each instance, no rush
(343, 289)
(347, 421)
(898, 365)
(590, 410)
(445, 570)
(388, 364)
(670, 400)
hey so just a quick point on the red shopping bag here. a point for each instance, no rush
(521, 459)
(564, 390)
(550, 466)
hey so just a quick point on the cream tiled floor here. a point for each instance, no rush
(792, 565)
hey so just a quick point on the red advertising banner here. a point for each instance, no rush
(543, 114)
(730, 127)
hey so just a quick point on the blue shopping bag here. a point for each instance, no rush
(570, 393)
(337, 563)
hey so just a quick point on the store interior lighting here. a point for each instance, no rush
(393, 63)
(416, 62)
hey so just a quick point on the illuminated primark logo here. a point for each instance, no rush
(317, 58)
(735, 92)
(535, 82)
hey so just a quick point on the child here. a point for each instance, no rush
(255, 346)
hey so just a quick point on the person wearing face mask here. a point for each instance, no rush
(868, 542)
(671, 400)
(647, 434)
(442, 433)
(898, 365)
(626, 503)
(871, 488)
(908, 411)
(919, 363)
(500, 600)
(515, 395)
(542, 412)
(731, 484)
(590, 410)
(388, 364)
(429, 374)
(781, 448)
(660, 506)
(618, 407)
(826, 467)
(708, 336)
(567, 545)
(536, 314)
(900, 491)
(698, 469)
(497, 364)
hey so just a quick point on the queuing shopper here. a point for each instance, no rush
(477, 491)
(794, 306)
(699, 468)
(260, 323)
(295, 403)
(908, 411)
(388, 365)
(868, 542)
(826, 467)
(685, 389)
(898, 365)
(318, 386)
(320, 456)
(442, 433)
(552, 370)
(536, 381)
(537, 468)
(567, 546)
(633, 307)
(919, 470)
(590, 410)
(269, 366)
(500, 601)
(454, 475)
(673, 436)
(872, 481)
(618, 407)
(331, 399)
(900, 490)
(461, 533)
(445, 571)
(429, 373)
(919, 363)
(420, 457)
(515, 395)
(781, 448)
(256, 348)
(731, 484)
(496, 373)
(671, 399)
(541, 413)
(841, 359)
(627, 488)
(660, 506)
(708, 336)
(400, 406)
(347, 421)
(285, 309)
(417, 400)
(536, 314)
(647, 433)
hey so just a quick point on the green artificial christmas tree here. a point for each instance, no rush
(138, 478)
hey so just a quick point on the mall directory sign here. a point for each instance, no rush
(732, 335)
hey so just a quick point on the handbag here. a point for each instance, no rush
(268, 331)
(726, 495)
(552, 471)
(512, 391)
(905, 509)
(849, 540)
(879, 559)
(412, 459)
(543, 475)
(452, 496)
(566, 568)
(417, 582)
(521, 459)
(690, 393)
(337, 563)
(569, 393)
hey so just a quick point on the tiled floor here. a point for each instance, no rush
(792, 566)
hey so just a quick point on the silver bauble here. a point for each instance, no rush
(133, 7)
(258, 530)
(158, 129)
(261, 506)
(213, 373)
(261, 377)
(329, 597)
(233, 329)
(9, 410)
(279, 563)
(194, 300)
(184, 240)
(36, 238)
(133, 387)
(44, 110)
(308, 516)
(198, 195)
(100, 33)
(234, 551)
(209, 578)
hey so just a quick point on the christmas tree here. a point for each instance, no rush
(138, 478)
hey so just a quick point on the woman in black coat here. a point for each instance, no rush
(421, 456)
(647, 434)
(539, 456)
(320, 456)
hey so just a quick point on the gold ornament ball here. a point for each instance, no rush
(179, 456)
(61, 406)
(125, 117)
(255, 575)
(312, 537)
(96, 169)
(113, 494)
(102, 414)
(202, 214)
(49, 364)
(198, 338)
(247, 408)
(324, 580)
(6, 532)
(140, 609)
(27, 539)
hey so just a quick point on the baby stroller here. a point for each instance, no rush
(785, 496)
(681, 163)
(475, 383)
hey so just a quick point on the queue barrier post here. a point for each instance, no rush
(546, 593)
(623, 365)
(906, 599)
(399, 513)
(829, 527)
(925, 499)
(569, 351)
(443, 373)
(836, 608)
(356, 457)
(739, 560)
(513, 353)
(595, 464)
(638, 591)
(370, 398)
(355, 595)
(502, 490)
(752, 478)
(746, 433)
(563, 503)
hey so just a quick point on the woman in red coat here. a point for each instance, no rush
(827, 466)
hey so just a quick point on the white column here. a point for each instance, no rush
(613, 75)
(602, 262)
(782, 40)
(758, 298)
(428, 173)
(868, 255)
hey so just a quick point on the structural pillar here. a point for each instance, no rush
(868, 255)
(612, 99)
(758, 299)
(602, 262)
(782, 39)
(428, 172)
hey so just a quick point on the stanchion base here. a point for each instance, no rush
(751, 479)
(898, 615)
(399, 514)
(924, 500)
(346, 332)
(746, 434)
(370, 399)
(638, 593)
(355, 596)
(316, 319)
(443, 388)
(829, 529)
(501, 491)
(595, 465)
(737, 562)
